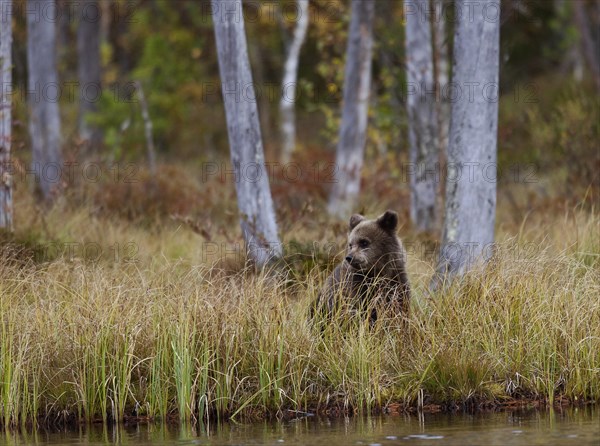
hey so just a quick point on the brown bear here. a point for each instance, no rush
(373, 273)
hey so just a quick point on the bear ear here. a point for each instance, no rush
(354, 220)
(388, 221)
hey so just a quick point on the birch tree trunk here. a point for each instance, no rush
(287, 103)
(472, 152)
(353, 130)
(148, 128)
(6, 203)
(44, 92)
(422, 116)
(89, 67)
(258, 223)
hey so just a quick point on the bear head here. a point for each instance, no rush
(371, 242)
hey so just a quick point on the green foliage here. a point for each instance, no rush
(558, 133)
(534, 38)
(571, 131)
(169, 47)
(176, 67)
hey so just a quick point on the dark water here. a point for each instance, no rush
(578, 427)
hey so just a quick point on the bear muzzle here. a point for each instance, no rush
(353, 262)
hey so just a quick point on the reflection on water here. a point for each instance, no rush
(578, 427)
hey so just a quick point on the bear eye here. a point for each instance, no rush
(363, 243)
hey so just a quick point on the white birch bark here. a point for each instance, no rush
(44, 117)
(6, 202)
(89, 68)
(472, 152)
(353, 130)
(287, 103)
(422, 116)
(255, 203)
(148, 128)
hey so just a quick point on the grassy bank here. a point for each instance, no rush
(161, 331)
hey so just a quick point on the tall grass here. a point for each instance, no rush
(159, 338)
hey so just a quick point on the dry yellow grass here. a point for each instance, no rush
(160, 330)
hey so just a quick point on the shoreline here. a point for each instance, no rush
(332, 411)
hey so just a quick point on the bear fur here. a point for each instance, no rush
(373, 273)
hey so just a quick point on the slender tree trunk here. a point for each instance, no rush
(63, 28)
(396, 101)
(287, 102)
(441, 63)
(440, 46)
(472, 153)
(422, 116)
(245, 142)
(353, 131)
(148, 128)
(89, 67)
(573, 61)
(6, 203)
(44, 117)
(590, 50)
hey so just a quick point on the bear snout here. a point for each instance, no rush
(354, 261)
